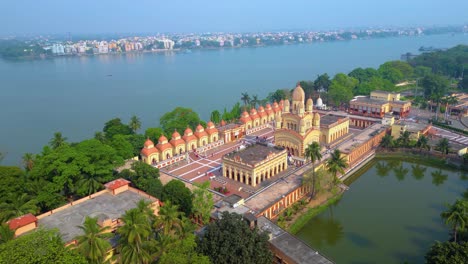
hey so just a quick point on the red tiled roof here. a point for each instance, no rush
(164, 146)
(21, 221)
(148, 151)
(188, 131)
(116, 184)
(211, 130)
(189, 138)
(200, 134)
(162, 138)
(176, 142)
(175, 135)
(148, 142)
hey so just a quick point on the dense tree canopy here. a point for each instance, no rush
(230, 240)
(341, 88)
(448, 253)
(176, 192)
(154, 133)
(178, 119)
(145, 177)
(451, 62)
(322, 82)
(116, 127)
(41, 247)
(364, 75)
(183, 252)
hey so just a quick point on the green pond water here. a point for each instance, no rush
(390, 214)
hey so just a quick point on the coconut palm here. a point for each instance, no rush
(89, 184)
(404, 139)
(387, 141)
(245, 98)
(382, 168)
(133, 237)
(17, 205)
(456, 216)
(93, 244)
(135, 123)
(313, 154)
(336, 164)
(28, 161)
(443, 146)
(144, 207)
(58, 140)
(438, 177)
(423, 143)
(6, 234)
(400, 172)
(169, 219)
(254, 101)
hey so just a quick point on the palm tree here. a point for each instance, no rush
(313, 154)
(135, 123)
(93, 244)
(449, 101)
(254, 101)
(58, 140)
(438, 177)
(144, 207)
(443, 146)
(387, 141)
(423, 143)
(169, 219)
(404, 139)
(17, 205)
(456, 216)
(382, 168)
(89, 184)
(133, 237)
(336, 164)
(245, 98)
(6, 234)
(400, 172)
(28, 161)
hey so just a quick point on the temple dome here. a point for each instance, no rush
(162, 139)
(149, 143)
(309, 102)
(175, 135)
(210, 124)
(245, 114)
(298, 94)
(188, 131)
(319, 102)
(200, 127)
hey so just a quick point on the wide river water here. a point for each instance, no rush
(77, 95)
(390, 214)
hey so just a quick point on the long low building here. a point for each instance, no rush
(378, 104)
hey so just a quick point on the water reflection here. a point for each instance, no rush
(382, 168)
(438, 177)
(418, 171)
(400, 172)
(326, 231)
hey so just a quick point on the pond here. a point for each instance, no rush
(390, 214)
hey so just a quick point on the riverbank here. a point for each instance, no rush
(422, 158)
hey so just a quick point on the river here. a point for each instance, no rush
(390, 214)
(77, 95)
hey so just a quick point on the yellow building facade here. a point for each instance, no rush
(254, 164)
(298, 126)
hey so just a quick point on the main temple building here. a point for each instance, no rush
(298, 126)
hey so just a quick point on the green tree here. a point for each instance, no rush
(404, 139)
(387, 141)
(178, 119)
(255, 101)
(277, 95)
(169, 220)
(443, 146)
(28, 161)
(137, 141)
(423, 143)
(404, 68)
(123, 148)
(364, 75)
(100, 136)
(245, 98)
(447, 253)
(230, 240)
(176, 192)
(116, 127)
(183, 252)
(336, 164)
(41, 246)
(435, 87)
(16, 205)
(134, 236)
(202, 202)
(154, 133)
(374, 83)
(322, 82)
(421, 71)
(93, 244)
(341, 88)
(215, 116)
(2, 156)
(145, 177)
(6, 234)
(58, 140)
(135, 123)
(456, 216)
(312, 153)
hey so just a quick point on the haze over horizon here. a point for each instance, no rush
(106, 16)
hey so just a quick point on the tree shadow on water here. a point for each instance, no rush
(360, 240)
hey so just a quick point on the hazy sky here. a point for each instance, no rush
(111, 16)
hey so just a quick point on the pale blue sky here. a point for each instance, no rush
(118, 16)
